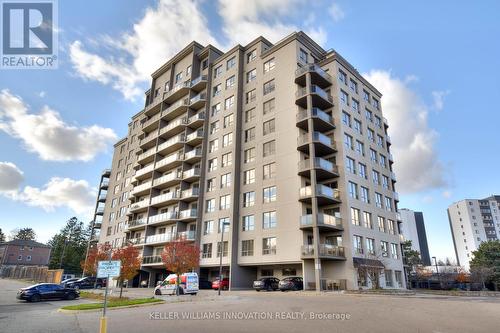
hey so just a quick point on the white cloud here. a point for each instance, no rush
(171, 25)
(417, 165)
(47, 135)
(10, 177)
(42, 94)
(438, 99)
(336, 13)
(447, 194)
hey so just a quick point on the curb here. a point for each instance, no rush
(110, 309)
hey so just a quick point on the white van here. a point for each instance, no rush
(188, 285)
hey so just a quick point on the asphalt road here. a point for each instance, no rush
(249, 311)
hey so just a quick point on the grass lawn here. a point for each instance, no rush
(112, 303)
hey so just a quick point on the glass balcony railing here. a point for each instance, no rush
(193, 153)
(165, 197)
(195, 172)
(321, 190)
(199, 79)
(200, 97)
(151, 260)
(317, 136)
(167, 178)
(186, 235)
(176, 88)
(313, 67)
(325, 250)
(192, 192)
(194, 135)
(173, 215)
(318, 162)
(188, 213)
(198, 116)
(323, 219)
(136, 223)
(160, 238)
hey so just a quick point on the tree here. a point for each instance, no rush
(371, 267)
(2, 236)
(69, 246)
(487, 259)
(130, 263)
(96, 253)
(24, 234)
(180, 256)
(481, 274)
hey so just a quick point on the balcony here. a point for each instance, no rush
(148, 140)
(141, 189)
(104, 185)
(393, 176)
(198, 101)
(318, 76)
(398, 216)
(176, 109)
(160, 238)
(326, 251)
(391, 158)
(163, 218)
(191, 174)
(106, 173)
(139, 206)
(97, 225)
(188, 214)
(147, 156)
(324, 169)
(136, 224)
(324, 222)
(174, 127)
(386, 124)
(165, 199)
(196, 120)
(99, 211)
(199, 83)
(395, 196)
(322, 121)
(388, 140)
(193, 156)
(323, 144)
(136, 241)
(151, 123)
(152, 260)
(101, 198)
(195, 138)
(168, 180)
(320, 98)
(144, 173)
(190, 194)
(169, 162)
(172, 144)
(186, 235)
(177, 91)
(324, 194)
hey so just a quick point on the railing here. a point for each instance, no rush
(193, 153)
(166, 237)
(317, 136)
(188, 213)
(324, 250)
(163, 179)
(99, 210)
(322, 190)
(106, 172)
(323, 219)
(176, 139)
(168, 160)
(165, 197)
(198, 116)
(104, 183)
(316, 112)
(197, 80)
(318, 162)
(144, 170)
(147, 153)
(200, 97)
(179, 103)
(135, 223)
(140, 204)
(136, 241)
(174, 124)
(186, 235)
(177, 87)
(194, 135)
(151, 260)
(192, 192)
(314, 90)
(102, 197)
(151, 120)
(313, 67)
(141, 187)
(163, 217)
(191, 173)
(396, 196)
(151, 135)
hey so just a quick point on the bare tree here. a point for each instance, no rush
(481, 274)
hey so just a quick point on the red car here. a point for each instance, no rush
(224, 285)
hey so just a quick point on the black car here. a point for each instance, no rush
(266, 283)
(44, 291)
(291, 283)
(204, 284)
(87, 283)
(68, 281)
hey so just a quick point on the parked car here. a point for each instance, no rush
(266, 283)
(45, 291)
(87, 283)
(291, 283)
(188, 285)
(224, 285)
(68, 276)
(205, 284)
(68, 281)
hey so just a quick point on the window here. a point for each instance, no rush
(373, 155)
(371, 135)
(28, 258)
(375, 103)
(303, 56)
(355, 216)
(227, 139)
(208, 227)
(269, 148)
(227, 159)
(230, 82)
(247, 248)
(342, 77)
(369, 115)
(213, 145)
(388, 204)
(346, 119)
(381, 223)
(353, 190)
(217, 71)
(204, 64)
(378, 200)
(229, 103)
(385, 182)
(248, 199)
(207, 250)
(269, 220)
(269, 87)
(378, 121)
(394, 251)
(269, 194)
(225, 202)
(212, 164)
(382, 160)
(350, 165)
(269, 171)
(224, 248)
(365, 194)
(217, 90)
(344, 98)
(268, 127)
(353, 85)
(384, 247)
(348, 141)
(249, 115)
(391, 226)
(358, 244)
(251, 56)
(251, 75)
(367, 218)
(249, 155)
(178, 77)
(20, 257)
(223, 223)
(211, 185)
(225, 180)
(250, 96)
(114, 202)
(376, 177)
(388, 278)
(216, 109)
(230, 63)
(248, 223)
(268, 106)
(210, 205)
(366, 96)
(188, 70)
(228, 122)
(249, 177)
(249, 134)
(269, 245)
(357, 126)
(355, 105)
(362, 170)
(269, 65)
(399, 282)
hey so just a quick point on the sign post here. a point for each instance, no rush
(107, 269)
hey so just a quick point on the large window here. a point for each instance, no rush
(384, 248)
(231, 63)
(358, 244)
(227, 139)
(249, 134)
(212, 164)
(394, 251)
(367, 218)
(378, 200)
(224, 249)
(227, 159)
(248, 223)
(225, 180)
(348, 141)
(269, 220)
(230, 82)
(217, 90)
(206, 250)
(353, 190)
(210, 205)
(355, 216)
(248, 199)
(269, 245)
(268, 106)
(249, 115)
(268, 127)
(269, 65)
(250, 96)
(269, 148)
(224, 224)
(229, 102)
(350, 165)
(228, 122)
(247, 248)
(269, 194)
(249, 176)
(381, 223)
(365, 194)
(251, 75)
(225, 202)
(249, 155)
(370, 246)
(208, 227)
(269, 171)
(269, 87)
(251, 56)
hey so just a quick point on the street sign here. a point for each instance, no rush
(108, 268)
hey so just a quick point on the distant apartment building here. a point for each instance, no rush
(24, 253)
(282, 148)
(473, 221)
(413, 229)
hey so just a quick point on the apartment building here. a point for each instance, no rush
(473, 221)
(281, 150)
(413, 229)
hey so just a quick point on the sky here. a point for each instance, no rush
(436, 63)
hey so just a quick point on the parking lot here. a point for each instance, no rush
(249, 311)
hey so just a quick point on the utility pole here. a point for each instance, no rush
(222, 226)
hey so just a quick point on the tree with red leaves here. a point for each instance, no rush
(179, 257)
(96, 254)
(130, 263)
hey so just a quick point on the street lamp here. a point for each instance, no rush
(222, 226)
(436, 264)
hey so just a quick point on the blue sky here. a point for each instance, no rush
(438, 65)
